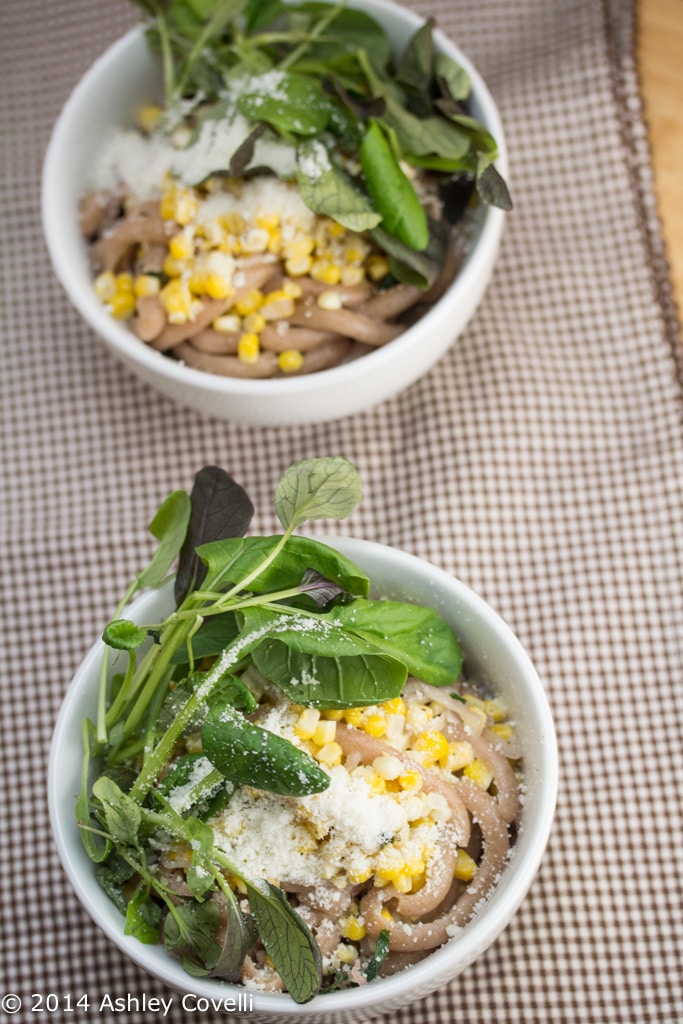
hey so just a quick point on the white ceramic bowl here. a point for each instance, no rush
(491, 650)
(106, 97)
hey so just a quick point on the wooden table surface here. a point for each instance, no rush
(660, 61)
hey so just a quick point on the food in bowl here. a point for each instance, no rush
(292, 785)
(297, 199)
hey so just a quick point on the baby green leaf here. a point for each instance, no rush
(379, 955)
(143, 917)
(295, 104)
(416, 636)
(289, 942)
(391, 190)
(122, 815)
(249, 755)
(169, 526)
(328, 190)
(189, 931)
(238, 938)
(330, 681)
(325, 488)
(232, 560)
(220, 508)
(453, 80)
(414, 67)
(124, 635)
(492, 188)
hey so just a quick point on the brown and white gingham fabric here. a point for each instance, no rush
(541, 461)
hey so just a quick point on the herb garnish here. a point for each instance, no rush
(298, 611)
(322, 81)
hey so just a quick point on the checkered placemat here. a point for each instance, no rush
(541, 461)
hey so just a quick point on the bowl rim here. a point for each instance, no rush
(478, 934)
(488, 234)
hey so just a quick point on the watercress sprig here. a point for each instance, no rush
(286, 609)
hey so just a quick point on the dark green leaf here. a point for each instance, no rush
(289, 942)
(409, 265)
(124, 635)
(391, 190)
(492, 188)
(112, 875)
(244, 154)
(324, 488)
(220, 508)
(236, 935)
(249, 755)
(213, 636)
(330, 681)
(190, 779)
(190, 932)
(347, 32)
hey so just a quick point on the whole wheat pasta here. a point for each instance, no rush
(281, 337)
(149, 319)
(345, 321)
(226, 366)
(220, 343)
(142, 224)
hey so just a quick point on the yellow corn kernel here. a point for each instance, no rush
(181, 246)
(326, 272)
(395, 706)
(355, 252)
(254, 240)
(148, 117)
(249, 302)
(248, 348)
(375, 725)
(495, 709)
(185, 208)
(105, 286)
(352, 275)
(414, 866)
(410, 780)
(145, 285)
(330, 754)
(274, 241)
(290, 360)
(502, 729)
(352, 928)
(277, 306)
(299, 247)
(478, 773)
(298, 266)
(386, 914)
(122, 304)
(292, 289)
(254, 323)
(377, 267)
(403, 883)
(306, 723)
(359, 875)
(329, 300)
(124, 282)
(233, 222)
(177, 300)
(465, 866)
(229, 323)
(173, 267)
(389, 864)
(334, 714)
(432, 746)
(460, 753)
(268, 221)
(354, 716)
(346, 954)
(388, 767)
(218, 287)
(325, 732)
(336, 229)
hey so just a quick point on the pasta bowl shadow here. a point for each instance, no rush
(124, 79)
(491, 652)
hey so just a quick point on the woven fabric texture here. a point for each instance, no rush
(541, 461)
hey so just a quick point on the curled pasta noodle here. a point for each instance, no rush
(142, 224)
(354, 325)
(226, 366)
